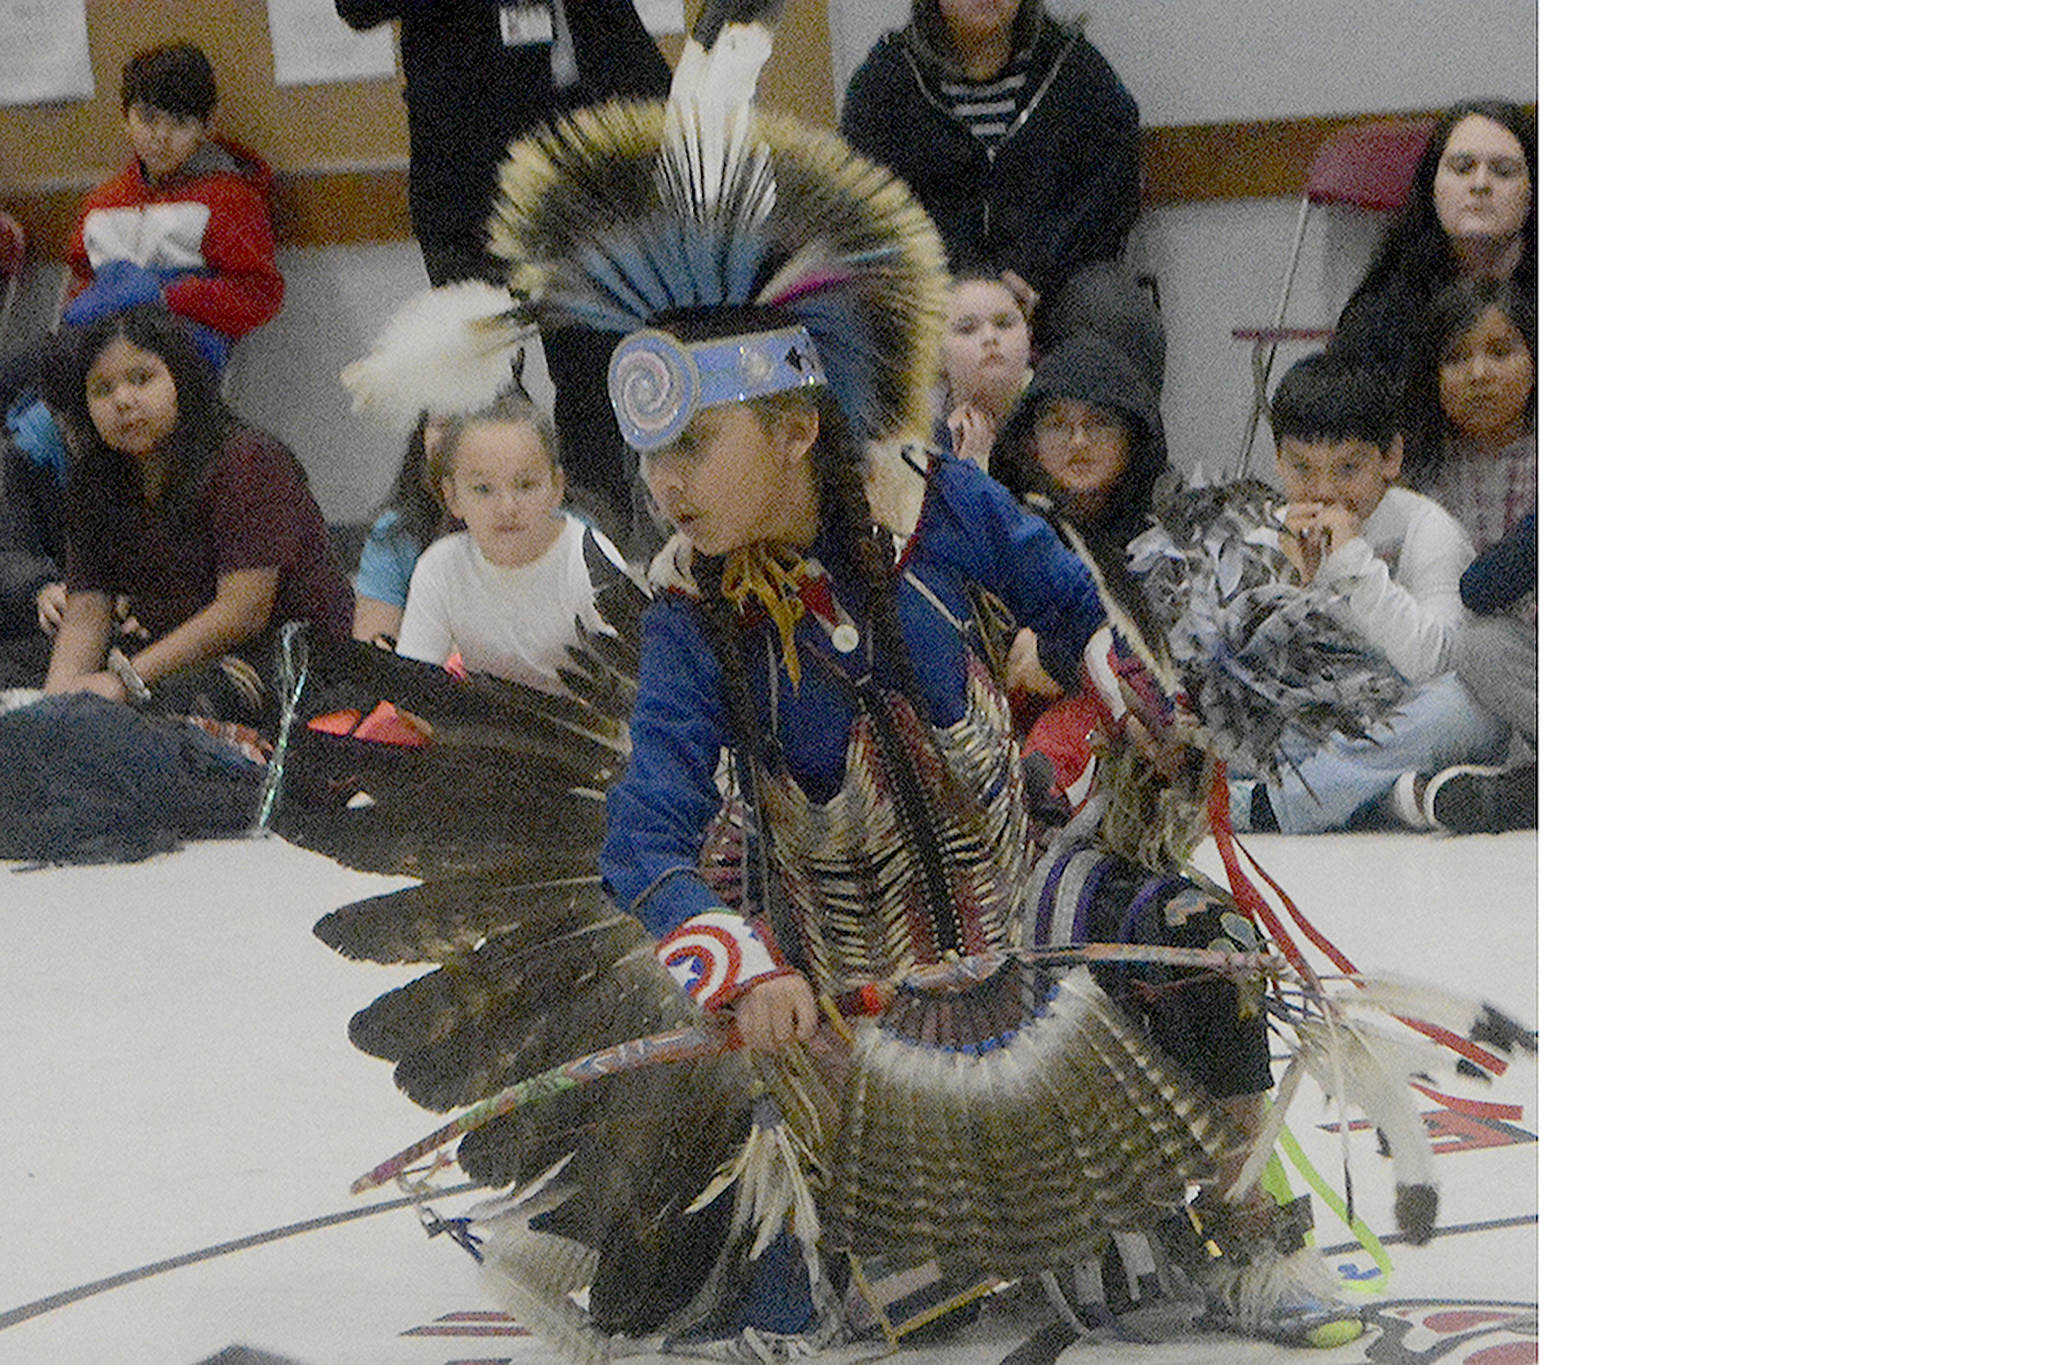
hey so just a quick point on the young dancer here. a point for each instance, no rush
(821, 823)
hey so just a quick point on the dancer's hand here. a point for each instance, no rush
(1025, 671)
(779, 1011)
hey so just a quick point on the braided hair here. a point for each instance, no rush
(838, 479)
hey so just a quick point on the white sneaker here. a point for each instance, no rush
(1404, 802)
(1292, 1299)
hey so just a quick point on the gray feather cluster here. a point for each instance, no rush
(1258, 652)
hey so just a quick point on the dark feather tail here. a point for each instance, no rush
(445, 920)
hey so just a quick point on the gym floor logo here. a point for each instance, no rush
(1451, 1332)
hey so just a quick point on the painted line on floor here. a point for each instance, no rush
(15, 1316)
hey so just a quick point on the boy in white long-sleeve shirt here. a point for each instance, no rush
(1339, 453)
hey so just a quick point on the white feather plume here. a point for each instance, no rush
(711, 112)
(1364, 1071)
(773, 1171)
(445, 351)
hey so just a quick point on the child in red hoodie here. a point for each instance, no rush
(187, 223)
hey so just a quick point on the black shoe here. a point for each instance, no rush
(1475, 800)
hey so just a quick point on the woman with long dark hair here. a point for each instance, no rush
(1471, 213)
(205, 526)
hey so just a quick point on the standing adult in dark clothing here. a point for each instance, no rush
(1023, 145)
(478, 75)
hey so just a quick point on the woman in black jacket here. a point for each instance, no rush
(1023, 145)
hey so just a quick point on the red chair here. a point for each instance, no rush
(13, 265)
(1365, 167)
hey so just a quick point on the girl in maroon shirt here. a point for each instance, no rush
(204, 528)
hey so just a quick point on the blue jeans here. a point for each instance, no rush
(1333, 786)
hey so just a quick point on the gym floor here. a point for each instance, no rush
(184, 1114)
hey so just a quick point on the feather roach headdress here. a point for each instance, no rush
(735, 253)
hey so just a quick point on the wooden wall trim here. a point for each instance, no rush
(1260, 159)
(337, 206)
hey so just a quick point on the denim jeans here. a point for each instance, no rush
(1335, 785)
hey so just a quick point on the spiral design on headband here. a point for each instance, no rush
(654, 389)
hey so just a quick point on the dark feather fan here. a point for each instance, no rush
(508, 778)
(531, 974)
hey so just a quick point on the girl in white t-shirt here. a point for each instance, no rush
(502, 596)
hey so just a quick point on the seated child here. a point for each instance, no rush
(204, 525)
(986, 359)
(1473, 397)
(1085, 445)
(504, 594)
(411, 519)
(1396, 558)
(187, 223)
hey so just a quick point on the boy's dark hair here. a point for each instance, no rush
(175, 77)
(1326, 398)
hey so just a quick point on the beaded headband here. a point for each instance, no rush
(658, 383)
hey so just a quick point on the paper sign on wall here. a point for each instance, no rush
(311, 45)
(45, 58)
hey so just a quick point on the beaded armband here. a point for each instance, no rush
(717, 955)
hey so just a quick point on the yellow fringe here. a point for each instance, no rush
(773, 576)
